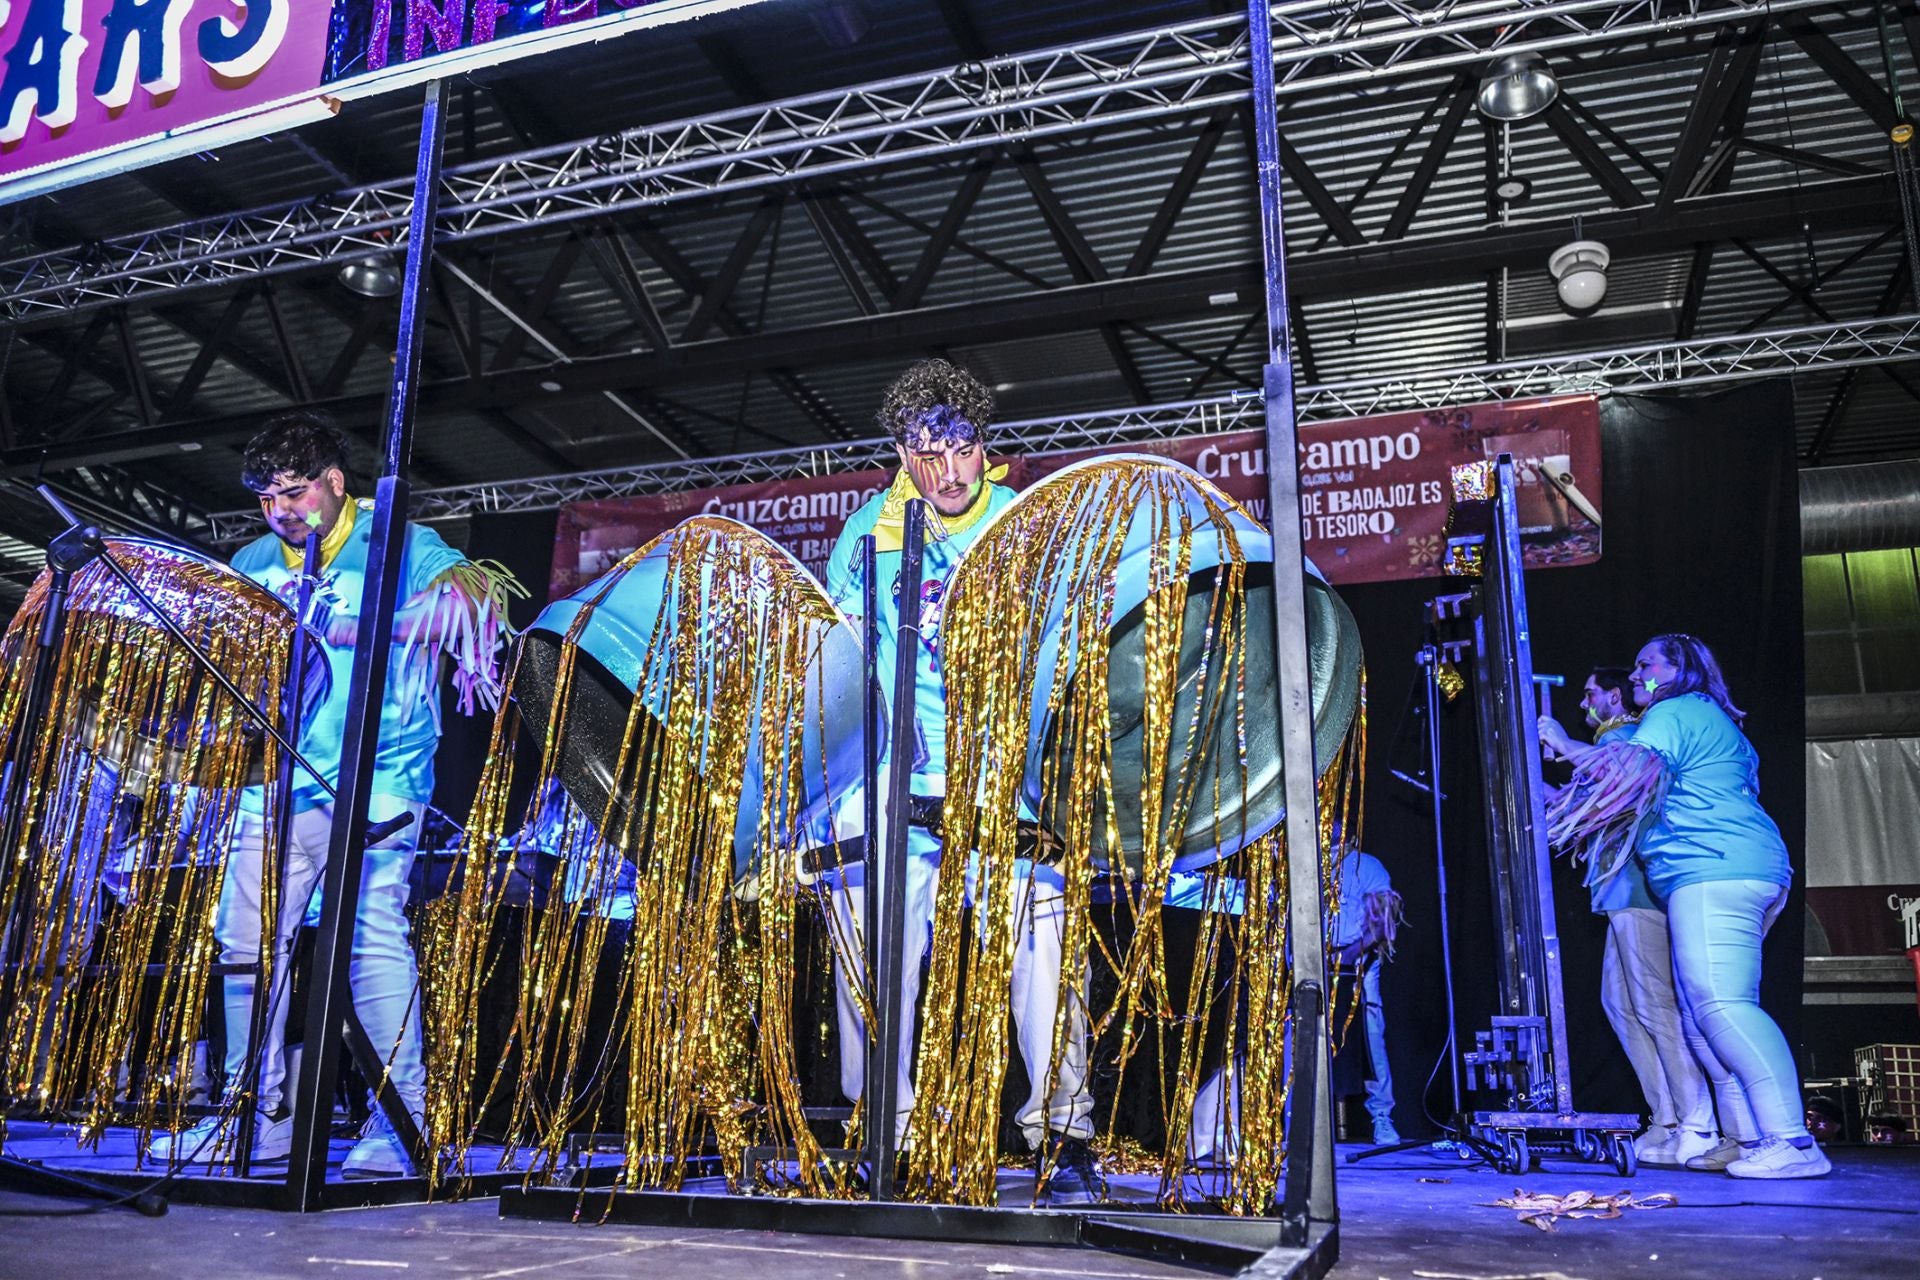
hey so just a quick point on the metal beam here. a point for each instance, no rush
(840, 255)
(1845, 72)
(1708, 361)
(1337, 219)
(1459, 96)
(1082, 263)
(210, 350)
(1160, 226)
(1612, 179)
(914, 287)
(1420, 262)
(1731, 66)
(720, 289)
(1170, 71)
(530, 313)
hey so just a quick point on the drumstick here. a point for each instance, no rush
(1563, 481)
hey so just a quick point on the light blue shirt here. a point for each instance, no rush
(409, 720)
(1712, 826)
(845, 586)
(1627, 887)
(1360, 876)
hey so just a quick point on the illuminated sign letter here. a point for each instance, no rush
(43, 69)
(442, 22)
(486, 18)
(239, 49)
(152, 29)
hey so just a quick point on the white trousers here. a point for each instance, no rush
(1717, 928)
(1636, 990)
(382, 972)
(1036, 984)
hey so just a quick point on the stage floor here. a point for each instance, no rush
(1405, 1217)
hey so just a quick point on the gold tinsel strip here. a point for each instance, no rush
(704, 989)
(115, 868)
(1063, 541)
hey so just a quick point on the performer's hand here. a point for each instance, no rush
(1553, 737)
(342, 631)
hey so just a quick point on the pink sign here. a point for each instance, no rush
(83, 77)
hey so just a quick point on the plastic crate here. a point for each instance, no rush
(1890, 1077)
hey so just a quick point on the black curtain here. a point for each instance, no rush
(1701, 504)
(523, 542)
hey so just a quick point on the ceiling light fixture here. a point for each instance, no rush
(1579, 270)
(1516, 87)
(371, 277)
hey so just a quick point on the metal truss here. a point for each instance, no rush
(1014, 99)
(1740, 357)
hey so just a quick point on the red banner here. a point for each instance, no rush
(1373, 492)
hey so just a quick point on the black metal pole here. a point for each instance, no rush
(1309, 1185)
(271, 964)
(26, 734)
(1432, 663)
(871, 706)
(329, 997)
(892, 863)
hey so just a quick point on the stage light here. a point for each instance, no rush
(1517, 87)
(371, 277)
(1579, 270)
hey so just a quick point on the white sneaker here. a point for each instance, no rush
(1716, 1158)
(1655, 1144)
(379, 1153)
(215, 1138)
(1678, 1147)
(1779, 1158)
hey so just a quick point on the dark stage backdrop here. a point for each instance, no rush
(1702, 536)
(522, 541)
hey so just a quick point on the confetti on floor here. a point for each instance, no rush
(1540, 1210)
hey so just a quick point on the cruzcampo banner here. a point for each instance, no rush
(1373, 492)
(92, 87)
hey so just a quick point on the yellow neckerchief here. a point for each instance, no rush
(1608, 725)
(296, 557)
(890, 530)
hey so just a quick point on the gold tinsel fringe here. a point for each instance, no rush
(1064, 540)
(114, 870)
(704, 989)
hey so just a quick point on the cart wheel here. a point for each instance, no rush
(1587, 1146)
(1626, 1161)
(1515, 1158)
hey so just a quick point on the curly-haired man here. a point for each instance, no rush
(937, 415)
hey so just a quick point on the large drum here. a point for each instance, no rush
(133, 781)
(1116, 527)
(139, 732)
(702, 595)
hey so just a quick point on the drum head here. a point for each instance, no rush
(214, 606)
(633, 630)
(1228, 810)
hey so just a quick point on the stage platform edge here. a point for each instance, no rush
(1216, 1242)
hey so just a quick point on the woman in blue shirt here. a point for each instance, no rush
(1717, 862)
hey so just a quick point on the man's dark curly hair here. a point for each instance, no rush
(933, 402)
(1616, 679)
(304, 442)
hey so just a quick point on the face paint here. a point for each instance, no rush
(1593, 718)
(1651, 684)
